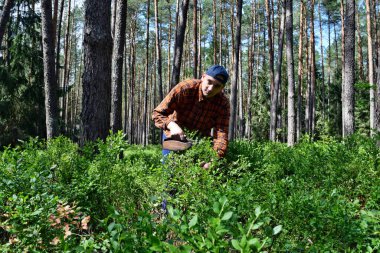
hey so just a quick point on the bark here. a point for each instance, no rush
(158, 51)
(145, 112)
(221, 32)
(169, 52)
(195, 40)
(117, 66)
(51, 96)
(231, 132)
(97, 70)
(8, 4)
(178, 45)
(214, 39)
(66, 65)
(277, 82)
(290, 70)
(323, 93)
(370, 68)
(131, 132)
(200, 41)
(58, 46)
(360, 47)
(328, 67)
(343, 56)
(270, 44)
(312, 73)
(349, 69)
(300, 72)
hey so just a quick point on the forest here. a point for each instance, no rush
(81, 168)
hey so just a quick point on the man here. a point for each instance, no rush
(198, 105)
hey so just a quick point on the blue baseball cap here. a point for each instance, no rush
(219, 73)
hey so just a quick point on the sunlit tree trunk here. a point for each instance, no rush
(195, 39)
(117, 66)
(290, 69)
(215, 36)
(277, 82)
(58, 42)
(270, 44)
(51, 96)
(300, 71)
(312, 103)
(323, 91)
(178, 45)
(234, 81)
(66, 58)
(97, 70)
(349, 69)
(370, 68)
(132, 131)
(360, 47)
(144, 120)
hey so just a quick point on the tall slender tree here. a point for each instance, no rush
(117, 65)
(144, 120)
(290, 70)
(349, 69)
(370, 67)
(97, 70)
(300, 70)
(234, 83)
(178, 45)
(51, 96)
(158, 51)
(5, 17)
(277, 81)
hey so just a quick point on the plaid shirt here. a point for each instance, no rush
(186, 106)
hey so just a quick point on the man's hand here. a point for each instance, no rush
(205, 165)
(176, 131)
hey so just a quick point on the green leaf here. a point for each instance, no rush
(193, 221)
(235, 244)
(257, 225)
(254, 242)
(110, 226)
(227, 216)
(258, 211)
(277, 229)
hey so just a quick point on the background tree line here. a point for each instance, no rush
(84, 68)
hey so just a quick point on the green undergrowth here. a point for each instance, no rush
(321, 196)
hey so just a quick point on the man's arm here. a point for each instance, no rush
(221, 130)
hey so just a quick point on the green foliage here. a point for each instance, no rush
(104, 197)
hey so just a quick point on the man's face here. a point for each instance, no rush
(210, 86)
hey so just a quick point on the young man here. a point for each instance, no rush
(198, 105)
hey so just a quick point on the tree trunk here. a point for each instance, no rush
(66, 67)
(214, 38)
(131, 100)
(117, 66)
(312, 73)
(8, 4)
(158, 51)
(234, 83)
(178, 45)
(300, 71)
(349, 69)
(51, 96)
(270, 45)
(290, 68)
(360, 47)
(343, 55)
(195, 41)
(370, 68)
(277, 82)
(144, 122)
(58, 46)
(97, 70)
(200, 41)
(323, 92)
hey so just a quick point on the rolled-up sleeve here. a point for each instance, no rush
(221, 130)
(163, 114)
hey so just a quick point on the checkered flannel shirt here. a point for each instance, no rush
(186, 106)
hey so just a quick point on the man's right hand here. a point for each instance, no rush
(176, 131)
